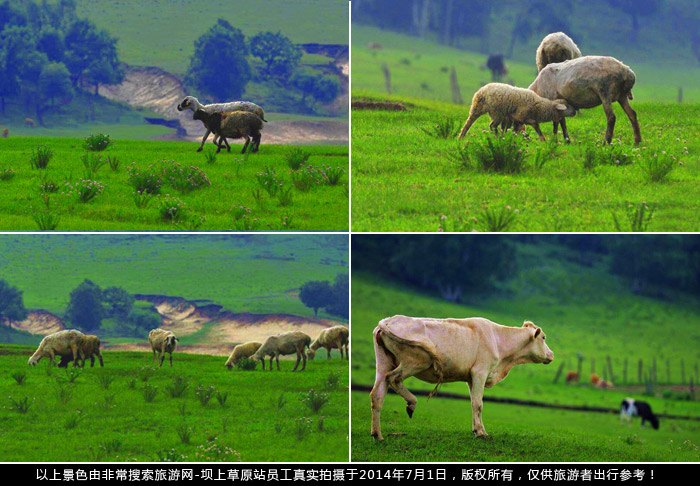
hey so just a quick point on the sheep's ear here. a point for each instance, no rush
(537, 332)
(560, 107)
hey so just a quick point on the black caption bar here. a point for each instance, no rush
(335, 473)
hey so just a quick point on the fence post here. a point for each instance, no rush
(561, 368)
(680, 94)
(682, 371)
(387, 77)
(612, 375)
(639, 371)
(454, 84)
(668, 371)
(624, 372)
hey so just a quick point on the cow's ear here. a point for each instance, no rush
(537, 332)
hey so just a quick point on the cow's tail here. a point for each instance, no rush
(436, 362)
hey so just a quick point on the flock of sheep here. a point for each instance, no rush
(566, 82)
(236, 119)
(73, 345)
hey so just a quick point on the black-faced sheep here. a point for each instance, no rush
(191, 103)
(162, 342)
(336, 337)
(284, 344)
(507, 104)
(89, 349)
(243, 351)
(587, 82)
(62, 343)
(236, 124)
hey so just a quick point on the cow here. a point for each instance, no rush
(634, 408)
(475, 350)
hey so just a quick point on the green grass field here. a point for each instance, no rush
(405, 179)
(263, 418)
(582, 310)
(233, 179)
(242, 273)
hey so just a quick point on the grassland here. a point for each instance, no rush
(233, 182)
(255, 274)
(582, 310)
(263, 418)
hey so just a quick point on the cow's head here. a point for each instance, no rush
(539, 352)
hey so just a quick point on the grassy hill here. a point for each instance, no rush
(233, 182)
(243, 274)
(263, 416)
(583, 310)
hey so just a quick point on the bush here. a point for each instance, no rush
(46, 220)
(638, 216)
(149, 392)
(7, 174)
(306, 177)
(332, 175)
(268, 180)
(20, 377)
(93, 162)
(105, 380)
(204, 394)
(21, 405)
(87, 190)
(41, 157)
(314, 400)
(182, 178)
(296, 157)
(144, 181)
(97, 142)
(246, 364)
(172, 209)
(179, 387)
(444, 127)
(658, 166)
(506, 154)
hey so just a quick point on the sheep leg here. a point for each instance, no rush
(296, 365)
(562, 122)
(536, 126)
(493, 126)
(263, 363)
(271, 358)
(247, 141)
(204, 139)
(171, 360)
(277, 358)
(74, 348)
(303, 357)
(632, 115)
(328, 350)
(610, 114)
(256, 142)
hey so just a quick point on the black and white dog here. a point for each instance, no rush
(634, 408)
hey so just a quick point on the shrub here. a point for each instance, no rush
(314, 400)
(21, 405)
(268, 180)
(72, 421)
(87, 190)
(145, 372)
(333, 380)
(284, 196)
(179, 387)
(73, 373)
(97, 142)
(144, 181)
(41, 157)
(20, 377)
(210, 156)
(64, 394)
(302, 427)
(48, 186)
(7, 174)
(142, 199)
(444, 127)
(658, 166)
(172, 209)
(113, 162)
(204, 394)
(46, 220)
(105, 380)
(184, 432)
(221, 398)
(246, 364)
(182, 178)
(306, 177)
(149, 392)
(296, 157)
(638, 216)
(246, 224)
(93, 162)
(332, 175)
(506, 154)
(239, 211)
(614, 155)
(495, 221)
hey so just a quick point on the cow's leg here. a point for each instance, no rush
(476, 393)
(384, 366)
(154, 357)
(632, 115)
(395, 378)
(74, 348)
(204, 139)
(245, 145)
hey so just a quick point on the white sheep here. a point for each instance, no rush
(191, 103)
(62, 343)
(282, 344)
(162, 342)
(90, 347)
(236, 124)
(336, 337)
(243, 351)
(556, 47)
(587, 82)
(507, 104)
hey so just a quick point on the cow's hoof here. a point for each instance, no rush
(480, 434)
(377, 437)
(409, 411)
(199, 149)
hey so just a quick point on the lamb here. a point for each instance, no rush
(62, 343)
(587, 82)
(191, 103)
(507, 104)
(556, 47)
(243, 351)
(335, 337)
(162, 342)
(282, 344)
(234, 124)
(90, 348)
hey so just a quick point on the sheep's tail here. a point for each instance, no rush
(264, 120)
(436, 362)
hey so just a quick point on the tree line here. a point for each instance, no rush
(333, 297)
(455, 266)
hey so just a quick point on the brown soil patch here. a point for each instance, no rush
(39, 321)
(378, 105)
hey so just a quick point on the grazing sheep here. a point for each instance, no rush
(62, 343)
(29, 123)
(497, 65)
(283, 344)
(587, 82)
(556, 47)
(235, 124)
(335, 337)
(243, 351)
(191, 103)
(162, 342)
(507, 104)
(571, 377)
(635, 408)
(5, 132)
(90, 348)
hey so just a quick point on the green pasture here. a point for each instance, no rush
(233, 182)
(104, 414)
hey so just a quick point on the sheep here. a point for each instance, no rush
(587, 82)
(5, 132)
(191, 103)
(162, 342)
(90, 348)
(571, 377)
(62, 343)
(243, 351)
(282, 344)
(556, 47)
(595, 379)
(235, 124)
(507, 104)
(29, 123)
(335, 337)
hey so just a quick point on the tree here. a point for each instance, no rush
(85, 306)
(88, 50)
(635, 9)
(117, 302)
(17, 46)
(50, 42)
(11, 303)
(319, 87)
(54, 82)
(279, 54)
(340, 300)
(219, 66)
(316, 295)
